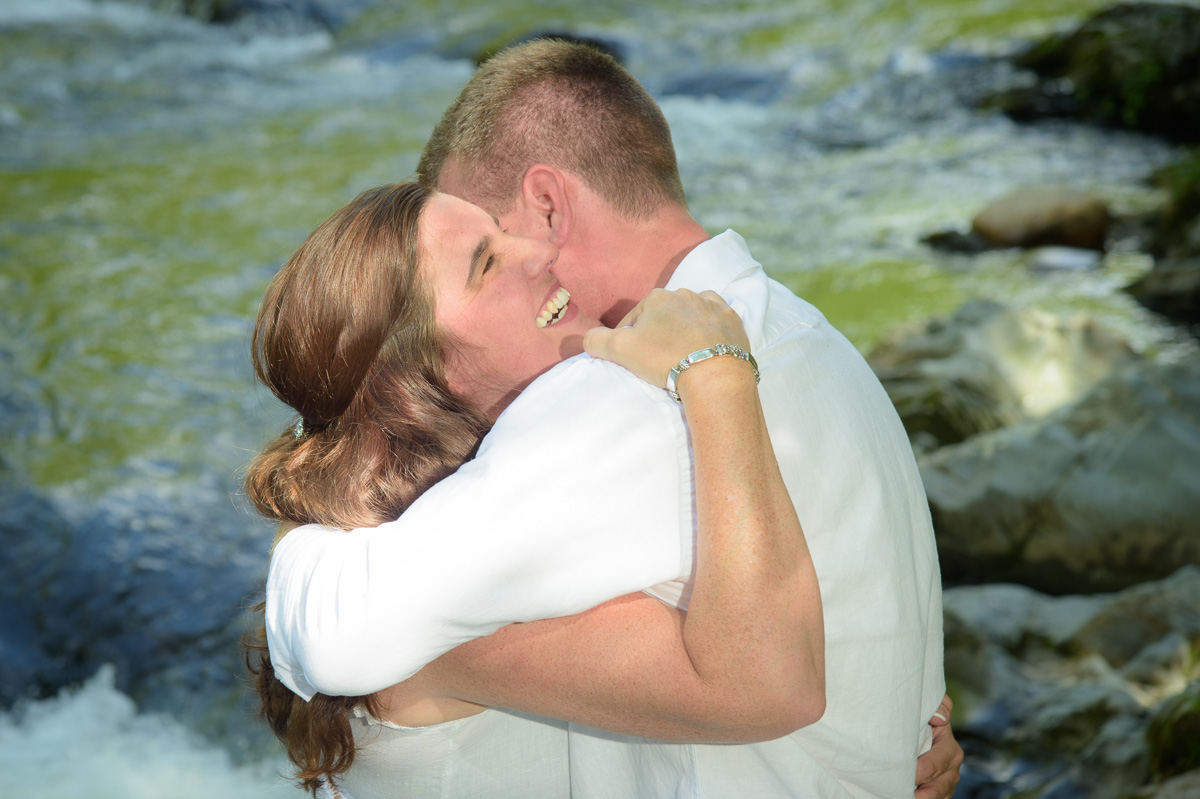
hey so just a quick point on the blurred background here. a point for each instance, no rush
(967, 188)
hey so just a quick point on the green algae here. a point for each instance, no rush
(125, 273)
(865, 300)
(1174, 734)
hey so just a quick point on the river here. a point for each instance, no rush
(155, 171)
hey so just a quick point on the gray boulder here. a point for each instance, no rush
(990, 366)
(1096, 496)
(1185, 786)
(1046, 711)
(1144, 622)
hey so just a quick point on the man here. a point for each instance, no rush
(559, 143)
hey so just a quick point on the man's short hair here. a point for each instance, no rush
(563, 104)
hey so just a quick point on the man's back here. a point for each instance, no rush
(852, 476)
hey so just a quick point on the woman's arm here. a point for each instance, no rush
(747, 661)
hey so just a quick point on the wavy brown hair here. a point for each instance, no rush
(346, 336)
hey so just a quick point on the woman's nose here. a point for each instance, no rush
(538, 257)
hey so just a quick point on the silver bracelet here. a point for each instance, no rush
(703, 355)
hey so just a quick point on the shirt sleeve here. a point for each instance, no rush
(562, 509)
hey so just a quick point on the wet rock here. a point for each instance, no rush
(279, 17)
(1114, 759)
(1172, 288)
(1067, 718)
(990, 366)
(1178, 230)
(1138, 622)
(34, 535)
(1134, 65)
(1157, 662)
(126, 579)
(1174, 734)
(1185, 786)
(969, 243)
(1015, 616)
(1043, 715)
(1096, 496)
(1044, 216)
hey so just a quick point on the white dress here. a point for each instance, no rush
(496, 754)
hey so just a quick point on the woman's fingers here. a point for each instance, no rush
(664, 327)
(598, 343)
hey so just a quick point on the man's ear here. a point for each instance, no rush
(544, 194)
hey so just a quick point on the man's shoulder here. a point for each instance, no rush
(582, 381)
(724, 264)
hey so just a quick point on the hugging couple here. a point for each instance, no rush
(695, 560)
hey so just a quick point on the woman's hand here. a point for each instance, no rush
(664, 327)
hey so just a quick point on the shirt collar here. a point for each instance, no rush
(714, 264)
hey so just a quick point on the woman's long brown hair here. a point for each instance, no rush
(346, 337)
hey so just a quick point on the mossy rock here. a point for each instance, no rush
(294, 14)
(1134, 65)
(1172, 288)
(1174, 734)
(1178, 232)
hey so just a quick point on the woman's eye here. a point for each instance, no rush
(488, 265)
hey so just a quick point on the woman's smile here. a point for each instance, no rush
(555, 308)
(489, 286)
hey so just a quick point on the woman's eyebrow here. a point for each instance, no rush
(480, 249)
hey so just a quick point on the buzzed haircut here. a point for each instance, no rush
(559, 103)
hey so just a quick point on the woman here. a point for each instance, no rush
(403, 327)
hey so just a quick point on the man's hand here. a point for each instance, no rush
(937, 769)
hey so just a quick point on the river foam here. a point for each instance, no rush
(92, 742)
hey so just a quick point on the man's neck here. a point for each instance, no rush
(643, 255)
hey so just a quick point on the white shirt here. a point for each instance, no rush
(851, 473)
(853, 479)
(547, 520)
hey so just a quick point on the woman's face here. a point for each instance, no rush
(498, 296)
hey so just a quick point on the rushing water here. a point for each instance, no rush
(155, 170)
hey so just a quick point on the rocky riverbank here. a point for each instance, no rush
(1062, 467)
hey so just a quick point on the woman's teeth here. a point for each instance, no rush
(554, 308)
